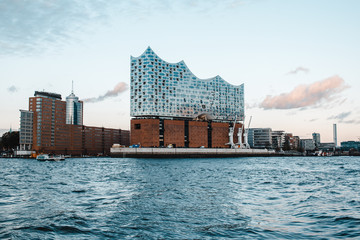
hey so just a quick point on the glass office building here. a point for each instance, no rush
(163, 89)
(74, 110)
(260, 137)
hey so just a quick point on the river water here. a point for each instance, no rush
(240, 198)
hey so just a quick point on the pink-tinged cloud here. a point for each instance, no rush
(306, 95)
(119, 88)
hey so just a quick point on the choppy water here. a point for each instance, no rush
(247, 198)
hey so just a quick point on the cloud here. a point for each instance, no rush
(13, 89)
(35, 26)
(306, 95)
(30, 25)
(251, 105)
(119, 88)
(299, 69)
(340, 116)
(351, 122)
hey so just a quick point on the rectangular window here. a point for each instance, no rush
(138, 126)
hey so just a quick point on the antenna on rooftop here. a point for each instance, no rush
(72, 86)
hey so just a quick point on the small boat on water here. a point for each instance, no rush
(47, 157)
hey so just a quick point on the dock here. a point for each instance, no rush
(189, 152)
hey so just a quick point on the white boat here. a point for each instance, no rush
(47, 157)
(43, 157)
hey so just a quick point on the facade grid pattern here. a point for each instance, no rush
(163, 89)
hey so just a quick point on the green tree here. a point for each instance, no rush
(10, 140)
(287, 146)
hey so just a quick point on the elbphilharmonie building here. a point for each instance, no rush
(159, 88)
(170, 94)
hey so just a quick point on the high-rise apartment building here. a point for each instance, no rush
(26, 130)
(171, 106)
(48, 116)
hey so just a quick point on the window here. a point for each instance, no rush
(138, 126)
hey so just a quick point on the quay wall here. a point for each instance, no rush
(188, 152)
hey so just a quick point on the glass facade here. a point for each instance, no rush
(74, 110)
(159, 88)
(346, 146)
(260, 137)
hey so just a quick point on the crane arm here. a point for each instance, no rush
(249, 122)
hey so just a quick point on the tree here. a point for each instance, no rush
(287, 146)
(10, 140)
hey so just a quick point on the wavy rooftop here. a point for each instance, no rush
(163, 89)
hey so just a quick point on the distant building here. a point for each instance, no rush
(307, 144)
(26, 130)
(278, 139)
(327, 146)
(316, 139)
(260, 137)
(348, 145)
(296, 143)
(171, 106)
(74, 110)
(48, 116)
(291, 142)
(49, 132)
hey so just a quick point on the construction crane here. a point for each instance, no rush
(249, 122)
(244, 131)
(247, 145)
(231, 135)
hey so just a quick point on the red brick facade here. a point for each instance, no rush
(52, 135)
(146, 132)
(198, 134)
(174, 133)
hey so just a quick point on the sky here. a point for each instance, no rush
(298, 60)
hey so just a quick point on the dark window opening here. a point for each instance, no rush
(138, 126)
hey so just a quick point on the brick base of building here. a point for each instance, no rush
(79, 140)
(181, 133)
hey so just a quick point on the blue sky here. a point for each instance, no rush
(297, 59)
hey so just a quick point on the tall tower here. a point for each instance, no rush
(335, 134)
(74, 109)
(48, 113)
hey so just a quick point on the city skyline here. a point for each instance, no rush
(297, 60)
